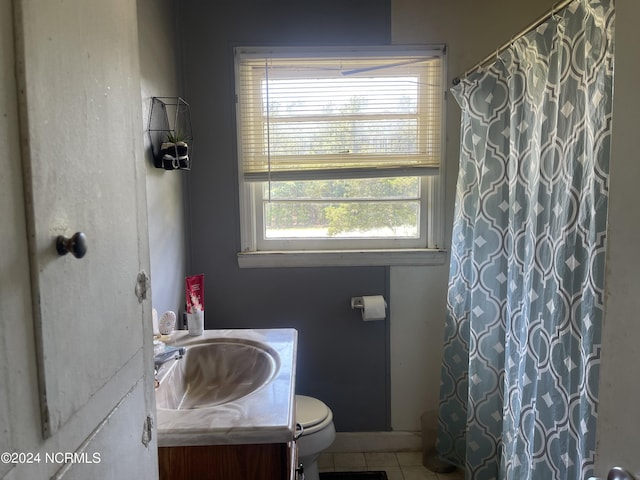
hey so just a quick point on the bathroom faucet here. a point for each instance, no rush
(169, 353)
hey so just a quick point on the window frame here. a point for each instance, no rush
(341, 243)
(428, 250)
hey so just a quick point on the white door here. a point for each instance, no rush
(81, 137)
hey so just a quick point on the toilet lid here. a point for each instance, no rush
(310, 411)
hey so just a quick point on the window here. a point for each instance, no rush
(339, 149)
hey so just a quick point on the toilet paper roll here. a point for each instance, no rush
(374, 308)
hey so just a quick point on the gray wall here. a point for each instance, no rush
(618, 425)
(159, 74)
(341, 360)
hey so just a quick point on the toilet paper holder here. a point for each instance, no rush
(357, 302)
(372, 307)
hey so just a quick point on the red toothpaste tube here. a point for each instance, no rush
(194, 290)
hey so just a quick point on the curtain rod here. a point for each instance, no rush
(556, 7)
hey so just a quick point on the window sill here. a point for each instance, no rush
(342, 258)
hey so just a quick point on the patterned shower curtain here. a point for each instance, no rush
(520, 372)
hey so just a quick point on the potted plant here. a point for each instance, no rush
(175, 151)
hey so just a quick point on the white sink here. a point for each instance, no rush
(234, 386)
(216, 371)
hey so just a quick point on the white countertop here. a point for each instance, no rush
(264, 416)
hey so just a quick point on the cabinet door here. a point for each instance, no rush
(81, 137)
(269, 461)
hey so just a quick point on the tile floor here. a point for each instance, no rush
(398, 465)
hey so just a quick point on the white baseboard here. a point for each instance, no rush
(376, 442)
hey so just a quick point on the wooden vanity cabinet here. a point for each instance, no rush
(269, 461)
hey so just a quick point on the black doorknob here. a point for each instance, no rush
(76, 245)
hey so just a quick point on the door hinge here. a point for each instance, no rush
(143, 284)
(147, 431)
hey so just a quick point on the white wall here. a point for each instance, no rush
(418, 300)
(471, 30)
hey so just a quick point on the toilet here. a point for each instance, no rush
(317, 435)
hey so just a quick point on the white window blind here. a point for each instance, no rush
(324, 115)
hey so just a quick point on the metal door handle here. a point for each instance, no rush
(76, 245)
(619, 473)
